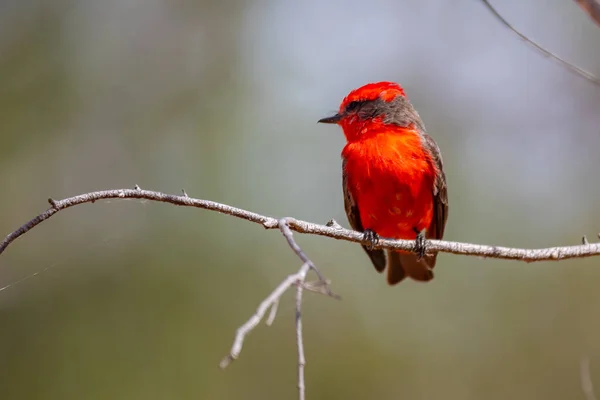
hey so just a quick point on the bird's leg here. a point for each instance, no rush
(420, 244)
(372, 237)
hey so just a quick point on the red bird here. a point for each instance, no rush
(393, 178)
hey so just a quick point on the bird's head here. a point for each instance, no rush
(371, 106)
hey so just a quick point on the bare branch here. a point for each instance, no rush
(573, 68)
(506, 253)
(273, 313)
(331, 229)
(284, 226)
(586, 379)
(272, 302)
(592, 8)
(300, 343)
(136, 193)
(254, 320)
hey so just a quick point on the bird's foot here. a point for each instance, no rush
(420, 244)
(372, 237)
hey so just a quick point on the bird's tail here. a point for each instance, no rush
(403, 264)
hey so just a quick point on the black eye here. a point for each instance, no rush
(368, 110)
(353, 106)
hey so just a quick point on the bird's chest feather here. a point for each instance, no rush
(391, 180)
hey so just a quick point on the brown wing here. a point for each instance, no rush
(440, 196)
(440, 191)
(377, 256)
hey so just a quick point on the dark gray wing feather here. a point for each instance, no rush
(440, 196)
(440, 191)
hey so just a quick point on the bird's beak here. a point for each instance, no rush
(334, 119)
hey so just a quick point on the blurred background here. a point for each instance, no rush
(126, 299)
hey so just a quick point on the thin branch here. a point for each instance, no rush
(586, 379)
(272, 302)
(273, 313)
(573, 68)
(469, 249)
(137, 193)
(592, 8)
(255, 319)
(300, 343)
(284, 227)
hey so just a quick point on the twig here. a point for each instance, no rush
(273, 313)
(586, 379)
(272, 302)
(284, 227)
(300, 343)
(469, 249)
(566, 64)
(592, 8)
(254, 320)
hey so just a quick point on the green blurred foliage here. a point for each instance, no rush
(136, 300)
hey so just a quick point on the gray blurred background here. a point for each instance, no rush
(140, 300)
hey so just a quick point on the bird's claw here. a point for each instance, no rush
(420, 244)
(372, 237)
